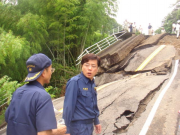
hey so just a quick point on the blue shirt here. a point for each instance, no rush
(80, 101)
(30, 111)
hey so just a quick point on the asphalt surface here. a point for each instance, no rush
(124, 101)
(167, 53)
(166, 120)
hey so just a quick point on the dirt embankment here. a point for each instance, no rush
(170, 40)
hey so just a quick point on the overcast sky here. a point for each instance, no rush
(144, 12)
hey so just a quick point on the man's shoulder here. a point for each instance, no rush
(29, 86)
(31, 89)
(75, 78)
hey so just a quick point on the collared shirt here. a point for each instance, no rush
(177, 27)
(149, 27)
(173, 25)
(30, 111)
(80, 101)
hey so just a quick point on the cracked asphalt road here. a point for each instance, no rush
(125, 104)
(125, 95)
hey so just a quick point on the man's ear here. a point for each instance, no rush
(43, 73)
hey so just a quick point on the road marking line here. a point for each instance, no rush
(149, 58)
(155, 107)
(60, 110)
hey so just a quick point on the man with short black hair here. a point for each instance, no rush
(80, 110)
(149, 29)
(131, 27)
(31, 110)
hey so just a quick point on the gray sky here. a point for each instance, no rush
(144, 12)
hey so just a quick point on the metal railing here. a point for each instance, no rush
(4, 98)
(114, 31)
(101, 45)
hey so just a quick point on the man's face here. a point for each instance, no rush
(90, 68)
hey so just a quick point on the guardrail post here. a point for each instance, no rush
(118, 28)
(87, 51)
(98, 46)
(108, 42)
(115, 37)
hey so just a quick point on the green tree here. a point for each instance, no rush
(172, 17)
(9, 17)
(13, 53)
(34, 29)
(158, 31)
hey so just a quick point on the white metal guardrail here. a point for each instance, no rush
(101, 45)
(4, 98)
(114, 31)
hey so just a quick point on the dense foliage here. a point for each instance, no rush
(13, 52)
(158, 31)
(7, 88)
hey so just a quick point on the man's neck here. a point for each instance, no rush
(40, 81)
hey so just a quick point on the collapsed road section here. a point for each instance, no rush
(130, 54)
(126, 97)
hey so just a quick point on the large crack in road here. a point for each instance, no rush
(122, 102)
(128, 117)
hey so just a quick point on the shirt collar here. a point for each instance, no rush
(85, 78)
(36, 83)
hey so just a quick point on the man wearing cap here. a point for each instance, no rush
(31, 110)
(80, 111)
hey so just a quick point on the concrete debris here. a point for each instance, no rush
(151, 40)
(114, 54)
(122, 122)
(108, 77)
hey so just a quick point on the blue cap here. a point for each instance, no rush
(36, 65)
